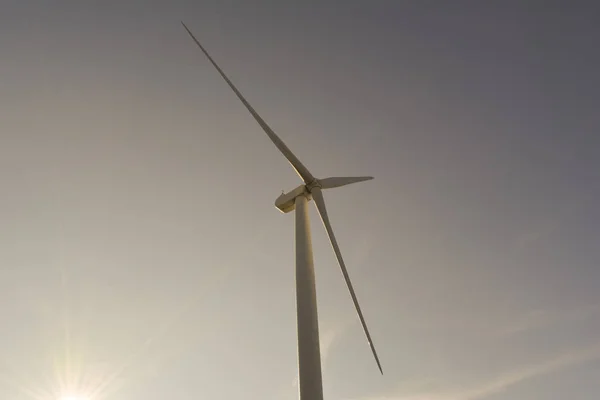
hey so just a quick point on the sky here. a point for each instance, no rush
(141, 255)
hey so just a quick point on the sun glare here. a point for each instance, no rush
(71, 397)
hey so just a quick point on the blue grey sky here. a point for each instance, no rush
(141, 256)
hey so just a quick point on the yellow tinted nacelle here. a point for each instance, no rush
(287, 201)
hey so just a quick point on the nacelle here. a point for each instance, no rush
(287, 201)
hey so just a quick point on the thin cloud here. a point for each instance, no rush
(531, 320)
(327, 338)
(564, 361)
(538, 319)
(507, 380)
(538, 233)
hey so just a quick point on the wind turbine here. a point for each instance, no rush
(309, 353)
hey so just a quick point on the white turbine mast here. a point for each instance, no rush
(309, 354)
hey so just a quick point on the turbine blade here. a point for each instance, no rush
(317, 196)
(301, 170)
(338, 181)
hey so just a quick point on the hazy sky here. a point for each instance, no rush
(140, 251)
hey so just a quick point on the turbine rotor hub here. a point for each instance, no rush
(315, 183)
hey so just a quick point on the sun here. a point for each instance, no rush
(73, 397)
